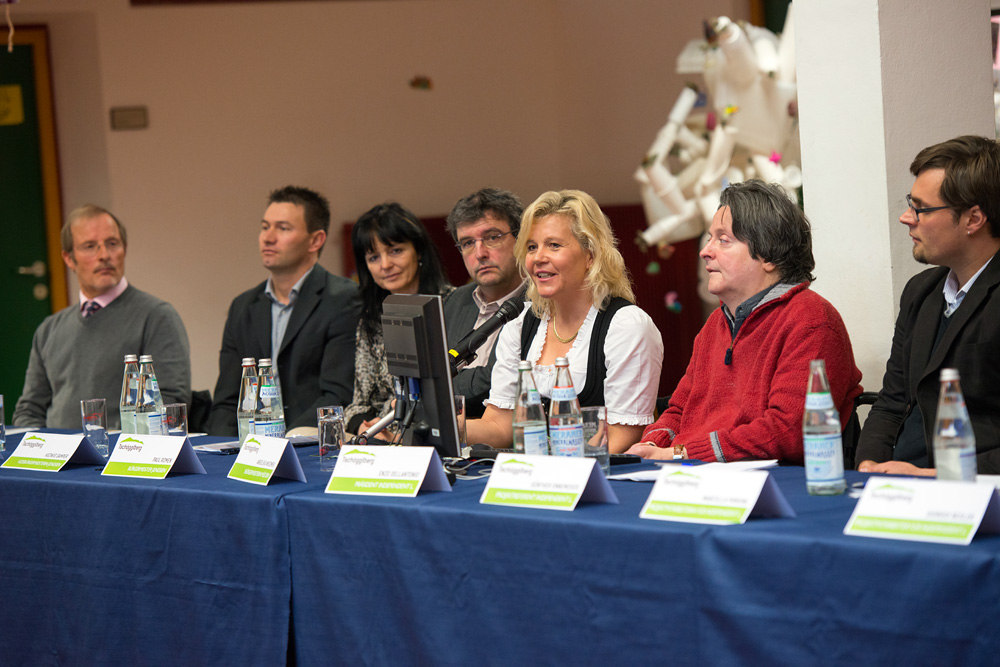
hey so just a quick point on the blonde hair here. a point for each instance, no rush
(607, 276)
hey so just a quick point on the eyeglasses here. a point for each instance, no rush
(91, 248)
(491, 240)
(918, 211)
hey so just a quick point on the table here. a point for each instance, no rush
(442, 580)
(189, 570)
(199, 569)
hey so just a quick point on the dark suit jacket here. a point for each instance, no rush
(460, 313)
(971, 343)
(316, 360)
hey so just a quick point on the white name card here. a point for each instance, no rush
(925, 510)
(263, 457)
(546, 482)
(152, 457)
(714, 496)
(387, 471)
(52, 451)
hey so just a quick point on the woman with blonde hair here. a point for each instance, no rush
(580, 307)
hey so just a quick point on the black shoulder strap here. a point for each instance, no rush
(528, 329)
(593, 389)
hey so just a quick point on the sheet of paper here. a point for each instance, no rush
(735, 466)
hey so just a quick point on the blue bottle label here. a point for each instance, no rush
(822, 458)
(563, 393)
(536, 440)
(275, 429)
(566, 439)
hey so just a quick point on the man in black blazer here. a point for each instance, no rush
(484, 226)
(302, 317)
(949, 316)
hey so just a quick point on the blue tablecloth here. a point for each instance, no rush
(442, 580)
(199, 569)
(189, 570)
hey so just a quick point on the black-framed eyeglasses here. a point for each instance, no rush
(926, 209)
(491, 240)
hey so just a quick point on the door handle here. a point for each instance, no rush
(37, 269)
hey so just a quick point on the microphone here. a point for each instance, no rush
(463, 353)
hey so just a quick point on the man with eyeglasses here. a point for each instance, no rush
(78, 353)
(949, 316)
(484, 226)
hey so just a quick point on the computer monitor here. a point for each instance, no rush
(416, 347)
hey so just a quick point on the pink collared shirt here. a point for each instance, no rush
(103, 300)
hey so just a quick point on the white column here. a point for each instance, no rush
(878, 81)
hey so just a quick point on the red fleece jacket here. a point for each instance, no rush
(752, 408)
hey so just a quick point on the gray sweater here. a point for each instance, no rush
(73, 358)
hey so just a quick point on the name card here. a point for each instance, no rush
(925, 510)
(152, 457)
(387, 471)
(546, 482)
(263, 457)
(52, 451)
(714, 496)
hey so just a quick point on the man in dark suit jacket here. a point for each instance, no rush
(949, 316)
(484, 226)
(302, 317)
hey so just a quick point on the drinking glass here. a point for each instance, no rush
(330, 434)
(95, 424)
(595, 436)
(175, 416)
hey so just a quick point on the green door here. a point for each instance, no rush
(32, 275)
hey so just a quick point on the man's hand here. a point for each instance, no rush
(648, 450)
(896, 468)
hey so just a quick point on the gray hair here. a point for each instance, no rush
(773, 226)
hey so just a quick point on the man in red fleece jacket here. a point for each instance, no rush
(743, 394)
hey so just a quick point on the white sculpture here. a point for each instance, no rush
(750, 77)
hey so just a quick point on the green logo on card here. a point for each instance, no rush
(29, 463)
(125, 469)
(367, 485)
(358, 451)
(250, 473)
(875, 524)
(695, 511)
(529, 498)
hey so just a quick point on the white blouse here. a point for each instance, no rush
(633, 351)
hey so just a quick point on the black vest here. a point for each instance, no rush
(593, 389)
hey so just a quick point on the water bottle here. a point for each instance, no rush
(954, 440)
(130, 394)
(565, 420)
(824, 451)
(268, 415)
(149, 407)
(530, 433)
(248, 398)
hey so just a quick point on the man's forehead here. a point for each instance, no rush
(927, 185)
(101, 225)
(485, 223)
(284, 212)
